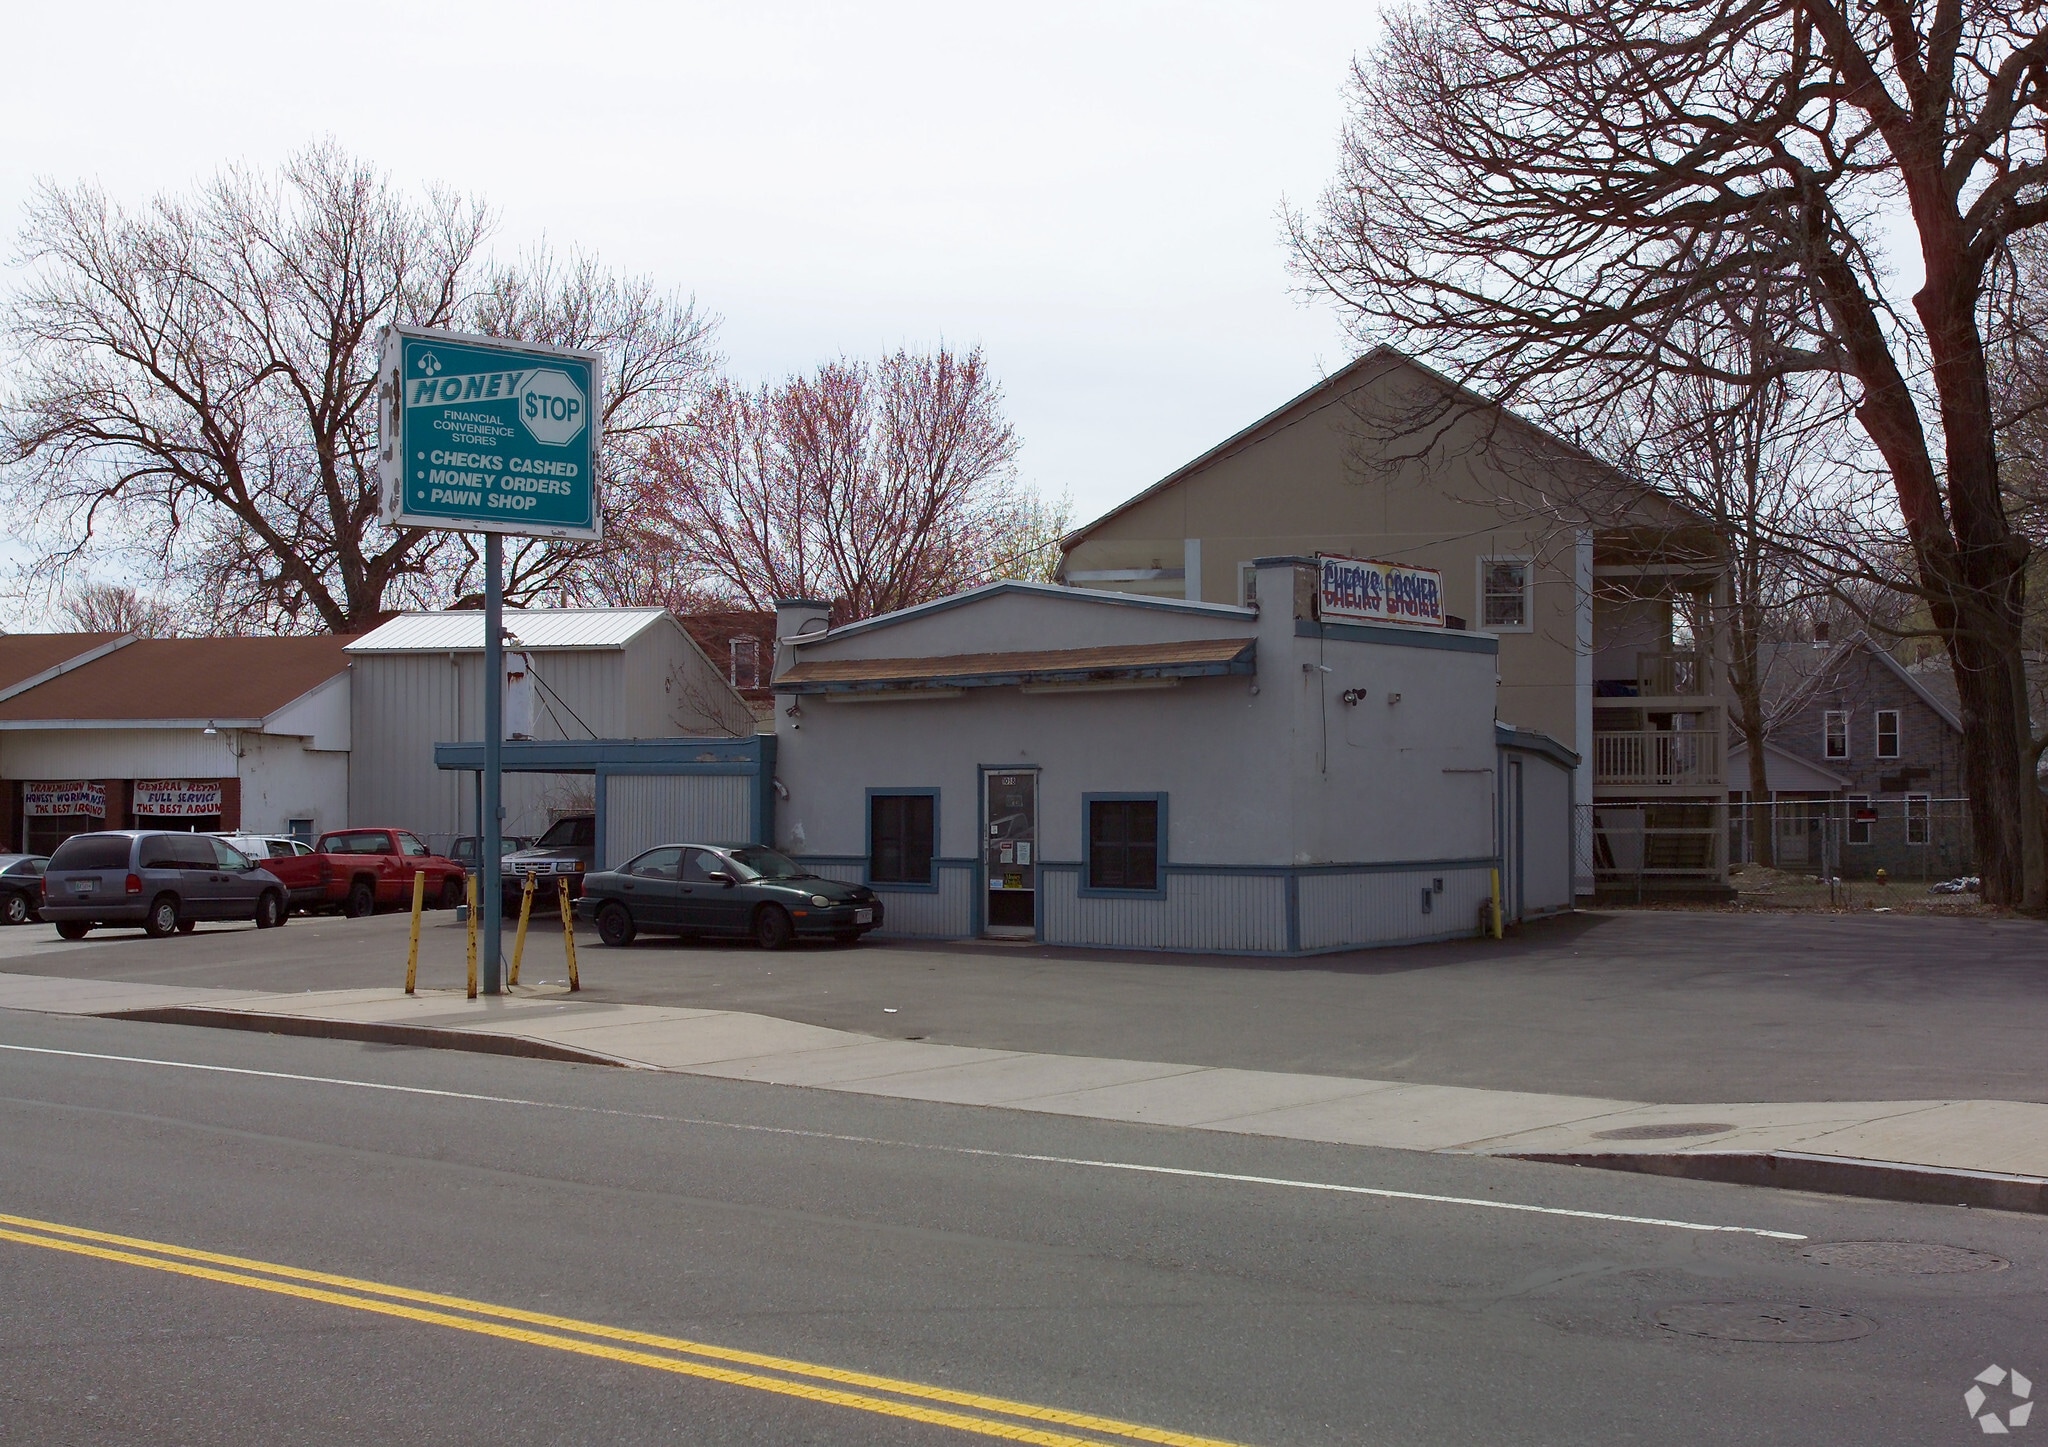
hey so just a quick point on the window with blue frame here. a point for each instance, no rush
(901, 842)
(1123, 843)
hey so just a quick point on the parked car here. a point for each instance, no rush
(161, 881)
(361, 869)
(565, 851)
(21, 887)
(725, 889)
(291, 860)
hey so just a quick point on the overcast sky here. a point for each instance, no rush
(1088, 192)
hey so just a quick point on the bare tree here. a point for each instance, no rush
(1544, 191)
(193, 383)
(875, 485)
(118, 608)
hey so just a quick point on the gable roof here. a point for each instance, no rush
(1810, 666)
(27, 659)
(461, 630)
(182, 682)
(1332, 390)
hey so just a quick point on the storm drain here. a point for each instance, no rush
(1902, 1258)
(1674, 1131)
(1763, 1321)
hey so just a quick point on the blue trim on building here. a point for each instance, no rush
(1397, 636)
(931, 885)
(1087, 891)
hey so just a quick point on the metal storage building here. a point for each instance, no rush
(596, 673)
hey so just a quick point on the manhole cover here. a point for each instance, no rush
(1902, 1258)
(1764, 1321)
(1674, 1131)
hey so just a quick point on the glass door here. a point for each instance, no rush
(1010, 851)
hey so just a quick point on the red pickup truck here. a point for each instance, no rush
(362, 869)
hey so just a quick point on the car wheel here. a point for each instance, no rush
(17, 909)
(454, 893)
(270, 911)
(162, 919)
(362, 899)
(72, 929)
(615, 926)
(772, 929)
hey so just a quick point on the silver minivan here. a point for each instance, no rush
(164, 882)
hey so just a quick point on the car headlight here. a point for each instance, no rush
(820, 902)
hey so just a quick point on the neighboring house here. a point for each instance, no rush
(1892, 738)
(594, 673)
(176, 733)
(742, 642)
(1585, 576)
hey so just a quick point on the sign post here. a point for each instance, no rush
(483, 434)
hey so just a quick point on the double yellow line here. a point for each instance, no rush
(833, 1386)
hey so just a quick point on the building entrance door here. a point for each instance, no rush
(1010, 851)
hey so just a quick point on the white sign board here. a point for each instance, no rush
(176, 798)
(56, 800)
(1358, 590)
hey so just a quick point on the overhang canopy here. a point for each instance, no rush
(1195, 658)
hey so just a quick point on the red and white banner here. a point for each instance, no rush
(56, 800)
(176, 798)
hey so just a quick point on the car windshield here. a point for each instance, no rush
(758, 863)
(569, 833)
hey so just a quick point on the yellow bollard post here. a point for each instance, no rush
(1493, 916)
(472, 936)
(569, 933)
(412, 952)
(519, 940)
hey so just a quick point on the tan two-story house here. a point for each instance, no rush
(1603, 592)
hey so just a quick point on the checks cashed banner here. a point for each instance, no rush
(58, 800)
(176, 798)
(1361, 590)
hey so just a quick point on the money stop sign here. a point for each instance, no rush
(552, 407)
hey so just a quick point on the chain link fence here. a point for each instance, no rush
(1913, 851)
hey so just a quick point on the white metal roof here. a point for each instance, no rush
(462, 630)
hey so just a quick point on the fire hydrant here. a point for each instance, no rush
(1883, 878)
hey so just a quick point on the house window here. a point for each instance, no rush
(1503, 593)
(1835, 734)
(1247, 585)
(746, 663)
(1860, 818)
(1887, 733)
(1919, 826)
(902, 833)
(1123, 842)
(299, 829)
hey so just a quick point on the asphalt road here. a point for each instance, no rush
(1659, 1006)
(1048, 1262)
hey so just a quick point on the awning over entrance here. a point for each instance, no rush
(1195, 658)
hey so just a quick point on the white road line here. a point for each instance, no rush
(1133, 1166)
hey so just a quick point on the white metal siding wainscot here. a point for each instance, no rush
(944, 914)
(1384, 906)
(1220, 912)
(643, 810)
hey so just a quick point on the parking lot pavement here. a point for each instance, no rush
(1651, 1006)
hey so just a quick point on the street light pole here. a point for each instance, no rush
(490, 889)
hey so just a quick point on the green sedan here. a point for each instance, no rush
(724, 889)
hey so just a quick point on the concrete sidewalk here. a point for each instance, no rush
(1980, 1152)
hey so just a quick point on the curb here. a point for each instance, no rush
(421, 1036)
(1828, 1175)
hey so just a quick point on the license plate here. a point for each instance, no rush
(863, 916)
(83, 886)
